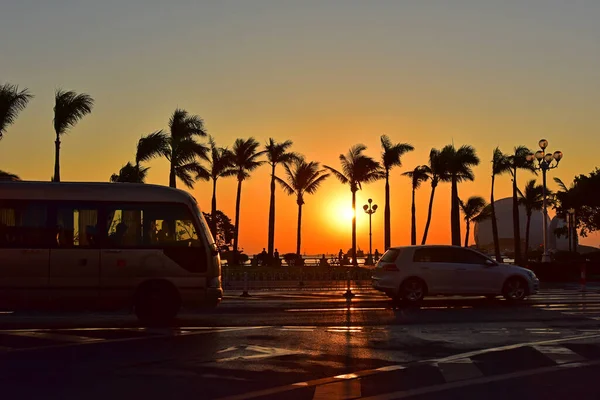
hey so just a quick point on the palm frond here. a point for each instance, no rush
(392, 153)
(285, 186)
(561, 184)
(12, 102)
(69, 109)
(7, 176)
(183, 125)
(155, 144)
(340, 177)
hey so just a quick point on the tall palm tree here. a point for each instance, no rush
(7, 176)
(69, 109)
(472, 209)
(12, 102)
(302, 178)
(357, 169)
(438, 172)
(245, 160)
(420, 174)
(459, 162)
(276, 153)
(500, 165)
(563, 200)
(390, 157)
(179, 147)
(533, 200)
(131, 174)
(518, 160)
(220, 166)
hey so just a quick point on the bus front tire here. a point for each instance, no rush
(157, 303)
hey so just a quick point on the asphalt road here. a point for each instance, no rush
(313, 345)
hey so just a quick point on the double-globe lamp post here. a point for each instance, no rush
(545, 163)
(370, 209)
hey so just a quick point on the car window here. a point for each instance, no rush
(470, 257)
(434, 254)
(390, 256)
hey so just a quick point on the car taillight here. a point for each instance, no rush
(390, 267)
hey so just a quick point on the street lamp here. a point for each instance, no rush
(370, 209)
(545, 163)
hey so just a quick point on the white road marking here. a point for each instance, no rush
(338, 390)
(459, 370)
(559, 354)
(57, 337)
(263, 352)
(477, 381)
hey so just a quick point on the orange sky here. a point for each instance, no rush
(326, 76)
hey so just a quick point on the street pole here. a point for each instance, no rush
(370, 209)
(545, 256)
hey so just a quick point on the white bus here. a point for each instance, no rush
(105, 246)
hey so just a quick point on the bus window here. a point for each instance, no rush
(24, 225)
(76, 227)
(125, 226)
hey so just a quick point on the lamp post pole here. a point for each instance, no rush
(545, 163)
(370, 209)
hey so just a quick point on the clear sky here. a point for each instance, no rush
(326, 74)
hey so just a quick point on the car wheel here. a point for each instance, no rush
(157, 304)
(515, 289)
(412, 291)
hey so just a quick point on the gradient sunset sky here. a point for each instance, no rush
(326, 74)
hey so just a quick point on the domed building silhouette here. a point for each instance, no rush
(504, 218)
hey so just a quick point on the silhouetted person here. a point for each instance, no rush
(164, 234)
(276, 257)
(263, 256)
(377, 255)
(341, 256)
(323, 262)
(119, 234)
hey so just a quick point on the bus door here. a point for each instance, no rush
(75, 260)
(24, 255)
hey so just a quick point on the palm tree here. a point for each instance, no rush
(179, 147)
(131, 174)
(357, 169)
(69, 108)
(390, 157)
(533, 200)
(420, 174)
(518, 160)
(472, 209)
(563, 200)
(500, 165)
(276, 153)
(438, 172)
(12, 102)
(302, 178)
(245, 160)
(459, 163)
(220, 166)
(7, 176)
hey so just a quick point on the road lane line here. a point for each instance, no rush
(459, 370)
(343, 390)
(559, 354)
(488, 379)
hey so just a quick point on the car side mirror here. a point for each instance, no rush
(490, 263)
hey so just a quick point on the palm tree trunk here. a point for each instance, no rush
(467, 233)
(387, 214)
(237, 217)
(271, 237)
(413, 221)
(56, 177)
(213, 210)
(433, 186)
(354, 261)
(495, 224)
(172, 177)
(455, 214)
(526, 255)
(299, 231)
(516, 221)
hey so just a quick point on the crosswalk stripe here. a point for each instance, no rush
(559, 354)
(347, 389)
(458, 370)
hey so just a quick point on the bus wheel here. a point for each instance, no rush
(156, 303)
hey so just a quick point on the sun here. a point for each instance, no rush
(339, 212)
(346, 213)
